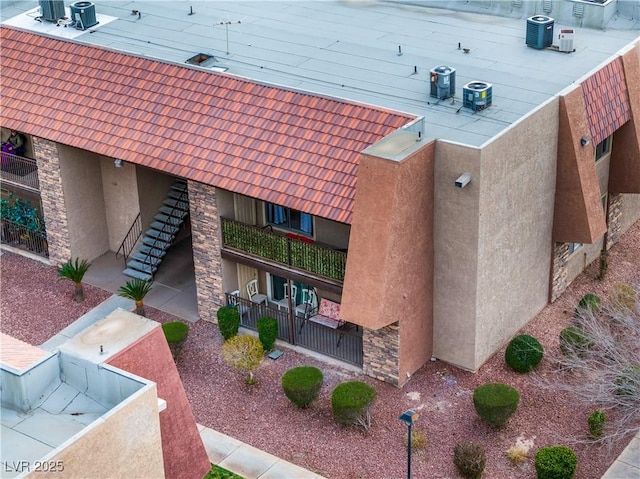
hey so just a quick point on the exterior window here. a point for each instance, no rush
(603, 148)
(573, 247)
(287, 218)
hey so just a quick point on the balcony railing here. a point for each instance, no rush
(268, 245)
(24, 238)
(344, 343)
(19, 171)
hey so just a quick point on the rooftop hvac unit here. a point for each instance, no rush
(566, 41)
(83, 14)
(443, 82)
(52, 10)
(539, 31)
(477, 95)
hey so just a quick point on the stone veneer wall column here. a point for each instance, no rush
(206, 239)
(381, 353)
(559, 272)
(54, 207)
(613, 221)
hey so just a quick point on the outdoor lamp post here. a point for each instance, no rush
(409, 418)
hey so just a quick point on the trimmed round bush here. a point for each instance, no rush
(470, 459)
(495, 403)
(302, 385)
(596, 422)
(267, 332)
(228, 321)
(589, 302)
(351, 403)
(524, 353)
(575, 340)
(176, 334)
(555, 462)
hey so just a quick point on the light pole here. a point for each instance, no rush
(409, 418)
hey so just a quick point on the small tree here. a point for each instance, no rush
(176, 333)
(136, 289)
(267, 332)
(74, 271)
(605, 375)
(243, 353)
(228, 321)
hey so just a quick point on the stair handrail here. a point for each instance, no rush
(130, 239)
(183, 194)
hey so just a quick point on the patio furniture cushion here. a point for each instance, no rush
(328, 314)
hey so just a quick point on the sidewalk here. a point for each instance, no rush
(627, 466)
(247, 461)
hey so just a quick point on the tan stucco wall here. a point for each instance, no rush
(630, 211)
(456, 219)
(516, 211)
(120, 199)
(154, 187)
(124, 443)
(83, 193)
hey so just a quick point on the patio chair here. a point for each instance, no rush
(254, 295)
(284, 302)
(308, 304)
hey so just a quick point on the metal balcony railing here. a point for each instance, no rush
(19, 171)
(24, 238)
(268, 245)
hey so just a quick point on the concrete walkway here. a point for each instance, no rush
(627, 466)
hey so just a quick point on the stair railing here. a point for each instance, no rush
(130, 239)
(183, 197)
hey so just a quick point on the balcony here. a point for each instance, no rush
(294, 252)
(19, 171)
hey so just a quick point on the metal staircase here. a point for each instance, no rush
(144, 262)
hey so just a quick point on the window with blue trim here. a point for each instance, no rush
(289, 219)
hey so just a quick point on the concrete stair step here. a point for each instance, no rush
(168, 210)
(145, 268)
(156, 234)
(133, 273)
(156, 252)
(172, 220)
(178, 194)
(173, 203)
(147, 259)
(164, 227)
(155, 243)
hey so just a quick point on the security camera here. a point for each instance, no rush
(463, 180)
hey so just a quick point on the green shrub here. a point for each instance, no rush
(267, 332)
(244, 353)
(555, 462)
(495, 403)
(575, 340)
(523, 353)
(302, 385)
(628, 381)
(470, 459)
(228, 321)
(351, 403)
(176, 334)
(596, 421)
(589, 302)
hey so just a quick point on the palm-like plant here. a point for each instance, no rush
(136, 289)
(74, 271)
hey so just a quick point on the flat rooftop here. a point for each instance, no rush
(375, 52)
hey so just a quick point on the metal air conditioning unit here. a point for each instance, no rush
(83, 14)
(566, 41)
(477, 95)
(443, 82)
(539, 31)
(52, 10)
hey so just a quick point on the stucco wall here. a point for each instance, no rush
(456, 219)
(124, 443)
(120, 199)
(516, 210)
(153, 187)
(82, 184)
(630, 211)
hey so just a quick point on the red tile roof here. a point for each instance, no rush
(605, 94)
(281, 146)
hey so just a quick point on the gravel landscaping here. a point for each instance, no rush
(35, 306)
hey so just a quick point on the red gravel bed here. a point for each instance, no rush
(35, 306)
